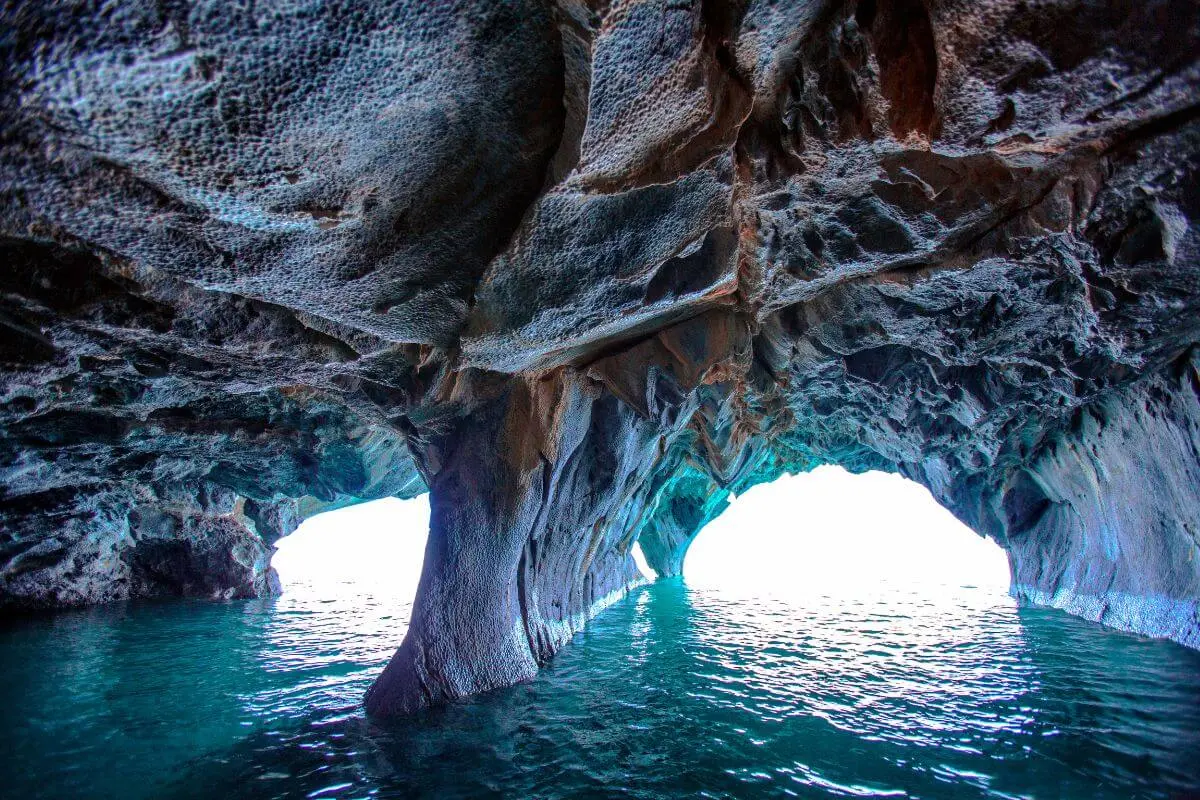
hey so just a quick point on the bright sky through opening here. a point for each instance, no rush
(828, 529)
(378, 546)
(823, 530)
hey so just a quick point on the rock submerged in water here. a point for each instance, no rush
(581, 271)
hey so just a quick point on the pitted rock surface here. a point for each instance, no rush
(582, 270)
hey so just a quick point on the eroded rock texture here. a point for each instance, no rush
(582, 270)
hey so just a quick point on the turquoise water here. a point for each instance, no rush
(674, 692)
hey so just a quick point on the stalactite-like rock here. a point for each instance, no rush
(583, 270)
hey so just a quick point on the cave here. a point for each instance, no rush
(834, 534)
(582, 271)
(372, 547)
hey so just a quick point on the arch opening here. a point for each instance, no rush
(643, 565)
(832, 531)
(376, 547)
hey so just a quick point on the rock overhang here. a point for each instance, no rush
(583, 269)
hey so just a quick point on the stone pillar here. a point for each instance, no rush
(530, 495)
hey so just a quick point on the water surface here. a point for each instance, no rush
(674, 692)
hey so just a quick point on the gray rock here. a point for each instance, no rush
(582, 271)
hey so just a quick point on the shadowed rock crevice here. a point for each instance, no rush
(584, 271)
(902, 36)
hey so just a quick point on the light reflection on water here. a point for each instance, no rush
(945, 692)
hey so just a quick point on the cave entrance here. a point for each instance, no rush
(834, 532)
(375, 547)
(639, 558)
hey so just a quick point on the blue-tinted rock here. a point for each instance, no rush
(583, 270)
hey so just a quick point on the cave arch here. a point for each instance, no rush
(541, 492)
(376, 546)
(581, 271)
(835, 533)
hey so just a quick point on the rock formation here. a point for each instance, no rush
(581, 270)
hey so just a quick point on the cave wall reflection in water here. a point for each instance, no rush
(825, 682)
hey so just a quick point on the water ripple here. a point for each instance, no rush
(675, 692)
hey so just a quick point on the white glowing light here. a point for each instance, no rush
(827, 529)
(377, 544)
(818, 531)
(640, 560)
